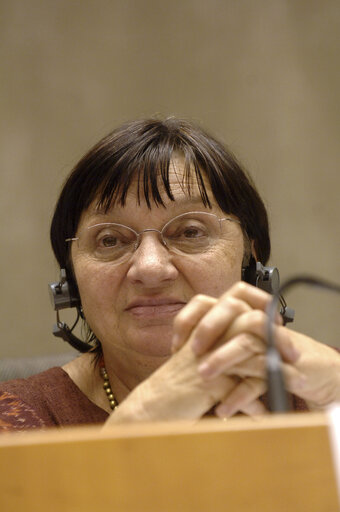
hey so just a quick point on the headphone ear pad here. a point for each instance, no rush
(249, 272)
(64, 294)
(73, 292)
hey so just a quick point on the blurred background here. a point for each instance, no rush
(262, 75)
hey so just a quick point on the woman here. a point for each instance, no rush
(155, 228)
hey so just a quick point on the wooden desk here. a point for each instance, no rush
(276, 464)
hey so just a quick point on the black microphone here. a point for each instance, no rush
(63, 331)
(277, 395)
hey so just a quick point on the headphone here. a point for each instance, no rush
(265, 278)
(64, 294)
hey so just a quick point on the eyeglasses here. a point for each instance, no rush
(188, 233)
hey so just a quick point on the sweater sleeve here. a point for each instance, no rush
(48, 399)
(16, 415)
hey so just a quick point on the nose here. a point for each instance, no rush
(151, 263)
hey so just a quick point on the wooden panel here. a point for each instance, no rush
(275, 464)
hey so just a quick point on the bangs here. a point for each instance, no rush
(149, 171)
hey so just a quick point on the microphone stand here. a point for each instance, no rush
(277, 394)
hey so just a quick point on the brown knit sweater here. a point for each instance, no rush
(47, 399)
(51, 399)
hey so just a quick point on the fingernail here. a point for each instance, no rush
(195, 347)
(294, 354)
(279, 318)
(224, 411)
(206, 371)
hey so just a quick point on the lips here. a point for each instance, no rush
(150, 306)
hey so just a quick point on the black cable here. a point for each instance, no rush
(76, 321)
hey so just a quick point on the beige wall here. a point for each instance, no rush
(262, 75)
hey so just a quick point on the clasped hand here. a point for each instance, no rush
(228, 335)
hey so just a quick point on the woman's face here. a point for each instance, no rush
(131, 306)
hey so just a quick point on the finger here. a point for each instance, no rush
(285, 345)
(228, 306)
(255, 408)
(256, 367)
(188, 318)
(253, 296)
(242, 396)
(253, 372)
(230, 354)
(256, 322)
(216, 322)
(252, 363)
(294, 379)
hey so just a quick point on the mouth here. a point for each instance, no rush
(153, 307)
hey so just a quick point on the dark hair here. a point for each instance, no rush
(143, 150)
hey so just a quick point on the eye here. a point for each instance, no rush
(108, 241)
(188, 230)
(112, 239)
(192, 232)
(109, 237)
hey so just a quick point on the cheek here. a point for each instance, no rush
(217, 270)
(97, 287)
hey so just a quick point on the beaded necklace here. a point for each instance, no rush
(107, 386)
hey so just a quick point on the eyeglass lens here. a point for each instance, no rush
(190, 233)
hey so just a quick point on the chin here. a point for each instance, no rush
(151, 344)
